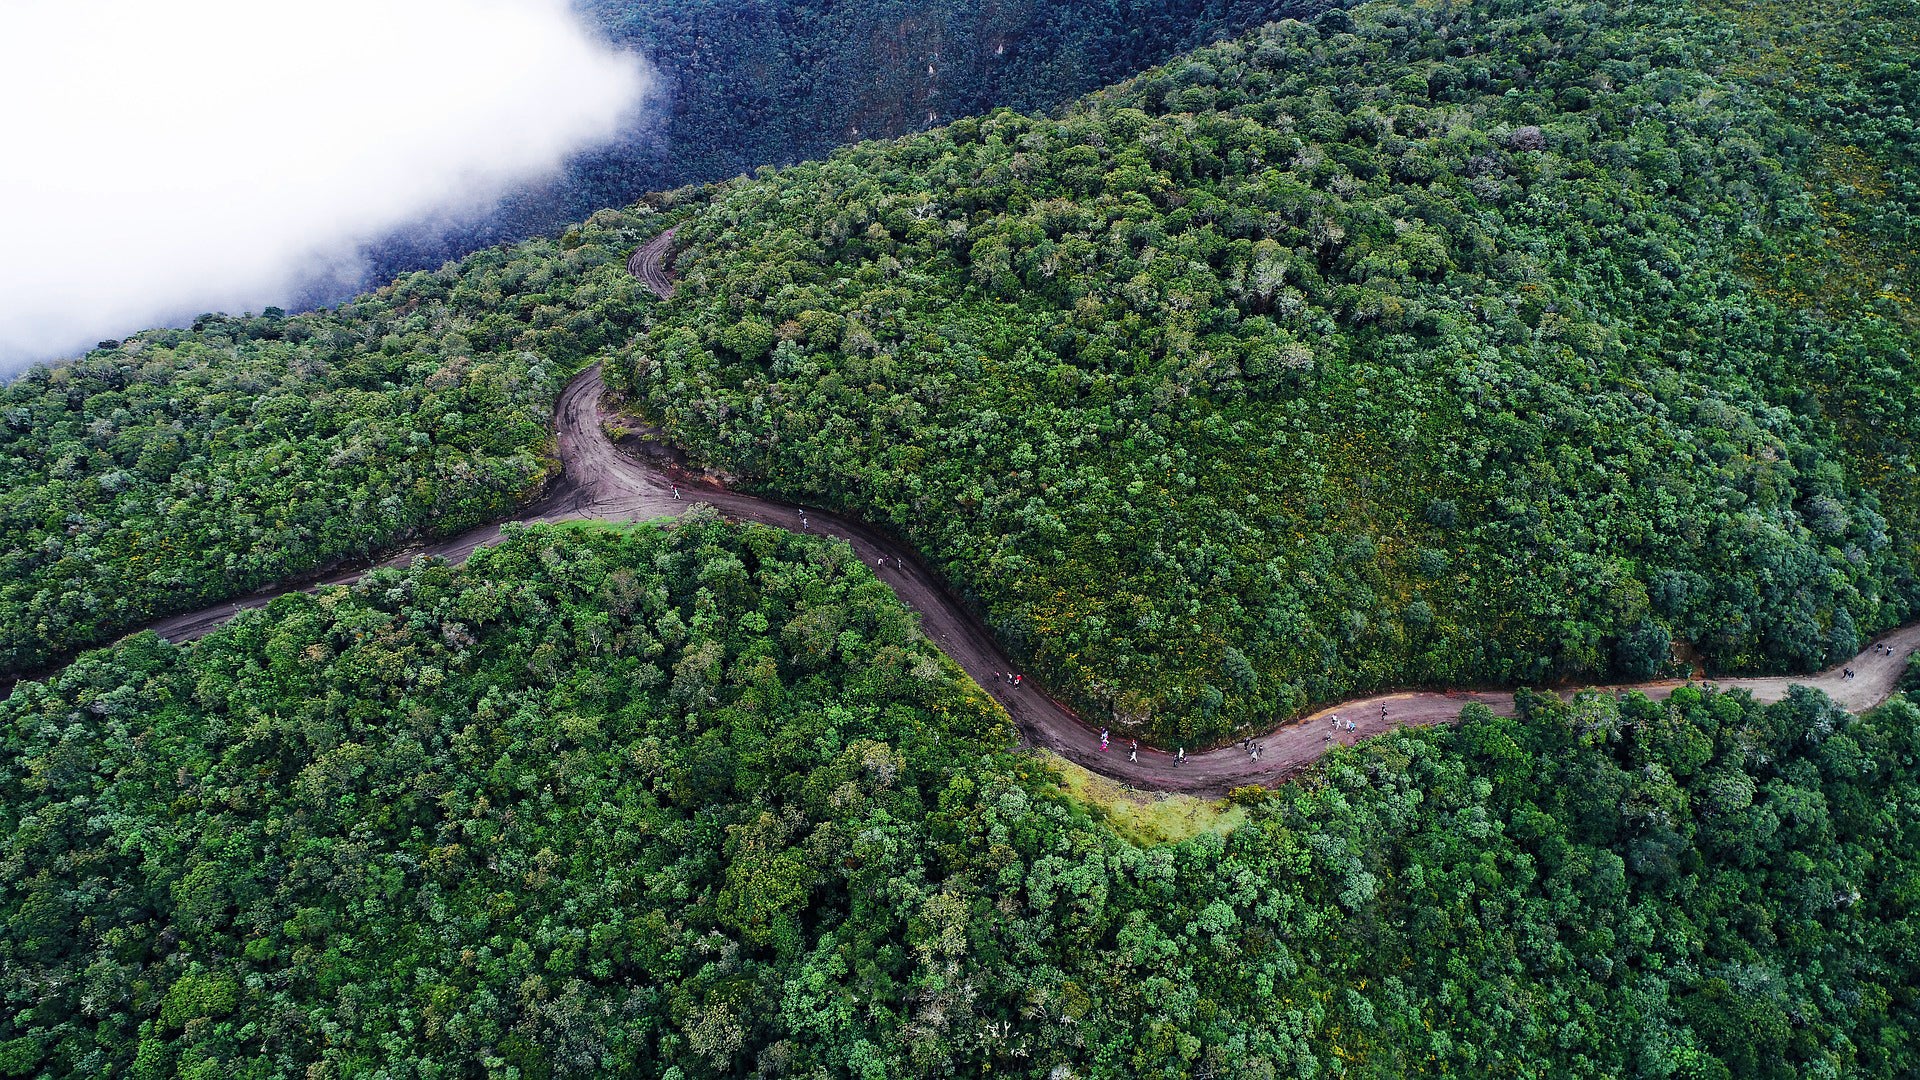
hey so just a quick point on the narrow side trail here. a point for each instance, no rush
(601, 483)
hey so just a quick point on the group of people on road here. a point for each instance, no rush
(1880, 648)
(879, 562)
(1252, 749)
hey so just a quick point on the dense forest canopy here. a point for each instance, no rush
(1266, 377)
(179, 468)
(703, 803)
(748, 83)
(1453, 342)
(1444, 343)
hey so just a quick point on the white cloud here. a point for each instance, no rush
(163, 159)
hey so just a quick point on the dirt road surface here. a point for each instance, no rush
(599, 482)
(648, 263)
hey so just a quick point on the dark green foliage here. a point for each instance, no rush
(1341, 355)
(703, 802)
(1490, 341)
(181, 468)
(539, 804)
(744, 84)
(755, 82)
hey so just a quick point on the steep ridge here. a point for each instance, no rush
(646, 263)
(599, 482)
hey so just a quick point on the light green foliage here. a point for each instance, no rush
(454, 821)
(1476, 341)
(1422, 344)
(183, 467)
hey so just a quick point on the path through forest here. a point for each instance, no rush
(600, 482)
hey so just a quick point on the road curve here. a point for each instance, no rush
(599, 482)
(648, 263)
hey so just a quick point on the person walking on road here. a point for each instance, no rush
(1103, 740)
(676, 492)
(1133, 751)
(1180, 756)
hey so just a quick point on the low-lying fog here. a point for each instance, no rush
(164, 159)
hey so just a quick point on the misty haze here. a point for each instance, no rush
(170, 159)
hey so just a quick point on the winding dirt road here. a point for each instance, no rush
(648, 263)
(600, 482)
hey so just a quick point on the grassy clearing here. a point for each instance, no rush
(1146, 818)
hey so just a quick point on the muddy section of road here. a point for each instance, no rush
(649, 263)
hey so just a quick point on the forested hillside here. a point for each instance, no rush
(1499, 343)
(1490, 341)
(1480, 342)
(702, 802)
(747, 83)
(183, 467)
